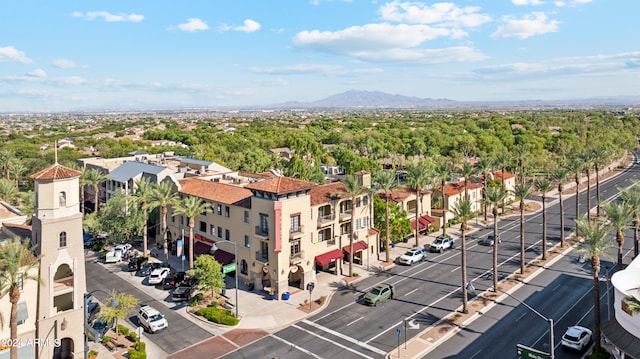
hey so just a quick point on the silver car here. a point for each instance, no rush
(413, 255)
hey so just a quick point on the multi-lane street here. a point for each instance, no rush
(429, 290)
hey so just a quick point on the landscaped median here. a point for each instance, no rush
(206, 307)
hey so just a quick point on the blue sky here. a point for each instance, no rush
(159, 54)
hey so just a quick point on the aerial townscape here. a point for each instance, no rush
(320, 179)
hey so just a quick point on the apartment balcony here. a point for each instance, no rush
(296, 232)
(345, 216)
(262, 257)
(326, 220)
(63, 285)
(262, 232)
(297, 256)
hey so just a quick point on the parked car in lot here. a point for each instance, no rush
(151, 319)
(413, 255)
(157, 275)
(113, 257)
(576, 338)
(147, 268)
(136, 263)
(182, 293)
(378, 294)
(441, 243)
(173, 280)
(488, 240)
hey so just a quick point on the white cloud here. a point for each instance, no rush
(40, 73)
(64, 63)
(447, 14)
(571, 3)
(325, 70)
(529, 25)
(108, 17)
(10, 53)
(527, 2)
(193, 25)
(249, 26)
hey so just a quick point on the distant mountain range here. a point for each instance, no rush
(354, 99)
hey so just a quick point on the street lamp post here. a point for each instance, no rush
(549, 320)
(235, 259)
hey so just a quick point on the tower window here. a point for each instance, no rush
(63, 199)
(63, 239)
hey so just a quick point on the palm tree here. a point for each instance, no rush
(118, 307)
(416, 180)
(574, 165)
(543, 185)
(467, 172)
(386, 181)
(353, 189)
(94, 178)
(560, 175)
(587, 162)
(522, 191)
(443, 172)
(494, 196)
(520, 154)
(83, 184)
(17, 265)
(631, 196)
(618, 215)
(6, 157)
(463, 212)
(190, 207)
(17, 169)
(503, 159)
(600, 157)
(596, 243)
(162, 196)
(484, 166)
(144, 189)
(8, 191)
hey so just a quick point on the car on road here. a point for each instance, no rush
(123, 248)
(157, 275)
(147, 268)
(378, 294)
(136, 263)
(441, 243)
(413, 255)
(182, 293)
(173, 280)
(576, 338)
(151, 319)
(488, 240)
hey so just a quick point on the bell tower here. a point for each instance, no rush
(57, 235)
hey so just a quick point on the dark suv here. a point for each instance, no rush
(136, 263)
(173, 280)
(147, 268)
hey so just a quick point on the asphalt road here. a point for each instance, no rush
(431, 289)
(181, 332)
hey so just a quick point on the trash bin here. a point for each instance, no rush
(286, 295)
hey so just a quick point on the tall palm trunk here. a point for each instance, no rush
(504, 188)
(595, 265)
(544, 226)
(620, 241)
(588, 194)
(163, 214)
(484, 197)
(192, 223)
(444, 210)
(96, 191)
(495, 249)
(463, 259)
(521, 237)
(560, 188)
(386, 222)
(352, 234)
(597, 168)
(577, 181)
(14, 297)
(145, 248)
(636, 226)
(417, 216)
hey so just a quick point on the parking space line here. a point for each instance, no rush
(342, 336)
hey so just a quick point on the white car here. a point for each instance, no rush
(412, 255)
(157, 275)
(576, 338)
(122, 248)
(151, 319)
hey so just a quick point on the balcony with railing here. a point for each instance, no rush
(296, 232)
(262, 231)
(63, 285)
(297, 255)
(326, 220)
(262, 257)
(345, 215)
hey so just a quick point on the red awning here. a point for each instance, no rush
(357, 247)
(223, 257)
(329, 257)
(424, 221)
(201, 248)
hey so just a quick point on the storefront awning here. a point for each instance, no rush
(329, 257)
(357, 247)
(201, 248)
(621, 338)
(223, 257)
(424, 221)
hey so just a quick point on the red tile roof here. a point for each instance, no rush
(281, 185)
(325, 193)
(399, 195)
(56, 171)
(452, 189)
(497, 175)
(217, 192)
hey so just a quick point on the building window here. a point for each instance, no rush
(294, 223)
(227, 211)
(63, 199)
(182, 220)
(358, 223)
(366, 222)
(244, 267)
(227, 235)
(345, 228)
(212, 230)
(247, 241)
(23, 313)
(295, 247)
(246, 216)
(219, 210)
(365, 200)
(264, 223)
(63, 239)
(358, 202)
(219, 232)
(203, 227)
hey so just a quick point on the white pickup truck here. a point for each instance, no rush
(441, 243)
(113, 256)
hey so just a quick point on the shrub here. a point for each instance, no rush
(92, 353)
(123, 330)
(196, 299)
(106, 339)
(140, 346)
(132, 336)
(220, 316)
(135, 354)
(322, 299)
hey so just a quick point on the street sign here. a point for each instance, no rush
(229, 268)
(398, 331)
(529, 353)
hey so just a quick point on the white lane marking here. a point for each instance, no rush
(476, 354)
(520, 317)
(297, 347)
(454, 269)
(340, 335)
(556, 287)
(348, 324)
(332, 342)
(413, 291)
